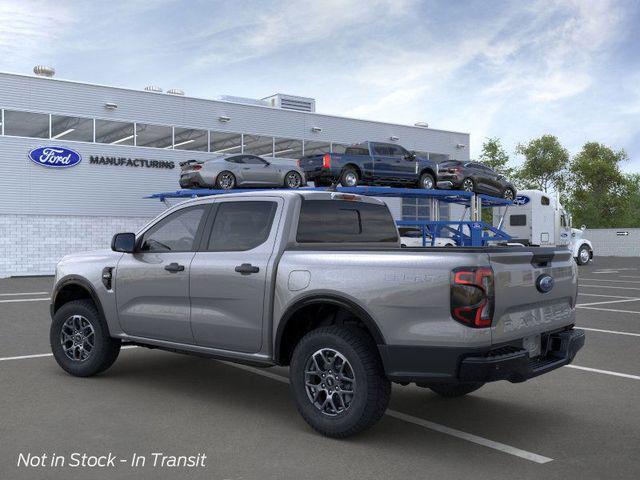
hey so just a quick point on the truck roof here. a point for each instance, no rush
(305, 194)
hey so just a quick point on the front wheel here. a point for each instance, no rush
(293, 180)
(584, 255)
(508, 194)
(338, 382)
(80, 340)
(427, 182)
(451, 390)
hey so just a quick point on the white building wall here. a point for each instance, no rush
(33, 244)
(614, 242)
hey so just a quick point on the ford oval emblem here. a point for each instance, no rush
(55, 157)
(521, 200)
(544, 283)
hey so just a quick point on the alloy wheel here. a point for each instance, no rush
(427, 182)
(226, 181)
(330, 382)
(77, 338)
(350, 179)
(508, 194)
(467, 185)
(584, 255)
(293, 180)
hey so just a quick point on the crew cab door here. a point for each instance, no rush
(152, 284)
(229, 274)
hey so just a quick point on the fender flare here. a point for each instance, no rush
(80, 281)
(331, 299)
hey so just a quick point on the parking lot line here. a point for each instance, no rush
(610, 331)
(16, 300)
(607, 302)
(606, 372)
(25, 357)
(608, 309)
(583, 294)
(609, 286)
(607, 280)
(23, 293)
(517, 452)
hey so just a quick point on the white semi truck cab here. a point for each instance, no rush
(537, 218)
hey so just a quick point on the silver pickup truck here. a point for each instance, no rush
(318, 281)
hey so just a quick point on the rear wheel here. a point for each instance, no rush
(452, 390)
(225, 180)
(584, 255)
(349, 177)
(80, 339)
(468, 185)
(338, 382)
(427, 181)
(293, 180)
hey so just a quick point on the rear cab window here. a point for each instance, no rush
(360, 149)
(343, 221)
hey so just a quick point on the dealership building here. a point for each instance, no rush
(128, 144)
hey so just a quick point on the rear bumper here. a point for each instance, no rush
(319, 173)
(191, 180)
(426, 365)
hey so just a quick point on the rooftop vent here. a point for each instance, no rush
(291, 102)
(153, 88)
(44, 71)
(422, 124)
(175, 91)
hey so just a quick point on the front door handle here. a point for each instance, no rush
(174, 267)
(247, 269)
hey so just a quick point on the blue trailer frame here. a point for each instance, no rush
(466, 233)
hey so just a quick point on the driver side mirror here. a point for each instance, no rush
(410, 156)
(124, 242)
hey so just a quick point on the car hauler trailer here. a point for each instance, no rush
(538, 219)
(469, 231)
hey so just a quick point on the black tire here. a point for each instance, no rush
(105, 349)
(452, 390)
(509, 194)
(287, 182)
(468, 185)
(583, 252)
(372, 389)
(221, 180)
(347, 175)
(427, 179)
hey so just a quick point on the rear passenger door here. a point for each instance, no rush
(229, 273)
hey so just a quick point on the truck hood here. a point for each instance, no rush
(90, 256)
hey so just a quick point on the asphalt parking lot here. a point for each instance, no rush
(576, 422)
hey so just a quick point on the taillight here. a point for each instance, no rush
(326, 161)
(298, 162)
(472, 296)
(197, 167)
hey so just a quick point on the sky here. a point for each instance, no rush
(514, 70)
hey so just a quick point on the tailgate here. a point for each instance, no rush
(521, 308)
(314, 163)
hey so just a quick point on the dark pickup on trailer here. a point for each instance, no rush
(371, 163)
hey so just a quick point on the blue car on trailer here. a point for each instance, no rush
(371, 163)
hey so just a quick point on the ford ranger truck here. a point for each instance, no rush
(318, 281)
(371, 163)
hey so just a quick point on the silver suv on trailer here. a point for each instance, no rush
(318, 281)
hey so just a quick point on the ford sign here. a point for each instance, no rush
(56, 157)
(544, 283)
(521, 200)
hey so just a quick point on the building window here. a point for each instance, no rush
(416, 209)
(26, 124)
(316, 148)
(257, 145)
(287, 148)
(190, 139)
(157, 136)
(71, 128)
(338, 147)
(226, 143)
(115, 133)
(438, 157)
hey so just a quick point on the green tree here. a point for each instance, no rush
(545, 164)
(494, 156)
(601, 195)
